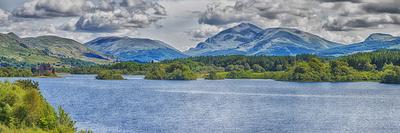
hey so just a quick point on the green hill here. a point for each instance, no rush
(47, 49)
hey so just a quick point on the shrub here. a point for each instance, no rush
(215, 76)
(109, 75)
(23, 109)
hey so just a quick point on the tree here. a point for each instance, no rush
(314, 70)
(391, 74)
(340, 68)
(156, 72)
(213, 75)
(258, 68)
(109, 75)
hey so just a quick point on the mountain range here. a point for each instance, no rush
(248, 39)
(46, 49)
(372, 43)
(243, 39)
(135, 49)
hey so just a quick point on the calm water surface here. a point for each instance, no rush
(232, 106)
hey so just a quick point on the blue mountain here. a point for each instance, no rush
(135, 49)
(248, 39)
(372, 43)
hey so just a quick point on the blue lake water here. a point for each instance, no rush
(232, 106)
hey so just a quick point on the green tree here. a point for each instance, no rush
(258, 68)
(109, 75)
(391, 74)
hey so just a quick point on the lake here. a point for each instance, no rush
(232, 106)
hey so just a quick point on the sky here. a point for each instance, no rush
(185, 23)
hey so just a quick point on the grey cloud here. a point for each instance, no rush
(205, 31)
(68, 8)
(217, 15)
(383, 7)
(112, 15)
(367, 21)
(352, 1)
(252, 10)
(4, 17)
(258, 10)
(50, 8)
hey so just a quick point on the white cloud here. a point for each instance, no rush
(98, 21)
(50, 8)
(4, 17)
(205, 31)
(111, 15)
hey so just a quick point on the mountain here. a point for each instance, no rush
(135, 49)
(49, 49)
(62, 48)
(227, 40)
(374, 42)
(248, 39)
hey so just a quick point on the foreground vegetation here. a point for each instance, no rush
(23, 109)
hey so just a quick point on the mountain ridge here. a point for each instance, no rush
(135, 49)
(248, 39)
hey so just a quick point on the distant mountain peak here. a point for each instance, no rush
(248, 39)
(135, 49)
(245, 26)
(379, 36)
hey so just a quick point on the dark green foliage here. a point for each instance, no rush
(14, 72)
(258, 68)
(235, 68)
(309, 68)
(314, 70)
(179, 71)
(373, 60)
(213, 75)
(75, 62)
(109, 75)
(156, 72)
(9, 62)
(239, 75)
(173, 71)
(391, 74)
(269, 63)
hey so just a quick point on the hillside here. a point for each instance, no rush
(48, 49)
(374, 42)
(135, 49)
(248, 39)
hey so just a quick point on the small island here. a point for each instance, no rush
(109, 75)
(173, 71)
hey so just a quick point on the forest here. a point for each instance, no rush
(378, 66)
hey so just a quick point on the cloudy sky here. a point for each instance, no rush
(184, 23)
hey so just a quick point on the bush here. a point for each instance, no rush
(175, 71)
(258, 68)
(391, 74)
(14, 72)
(215, 76)
(23, 109)
(156, 72)
(239, 75)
